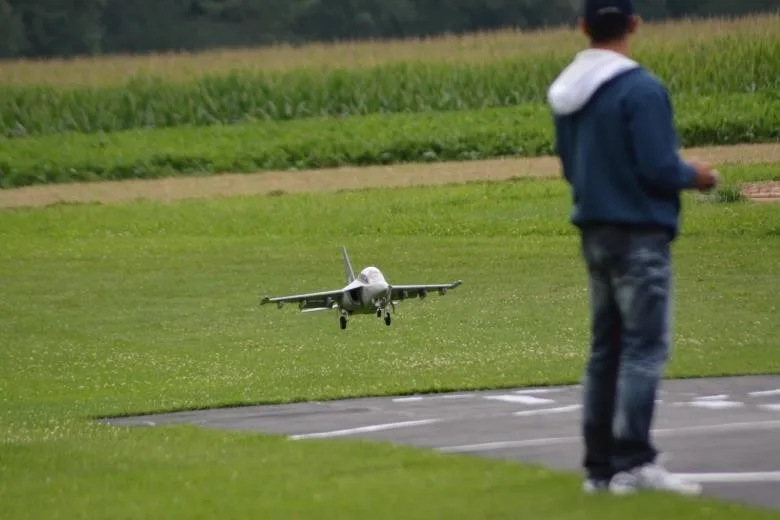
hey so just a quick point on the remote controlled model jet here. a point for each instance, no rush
(368, 293)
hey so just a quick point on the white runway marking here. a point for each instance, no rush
(538, 391)
(362, 429)
(522, 399)
(550, 441)
(712, 397)
(714, 404)
(728, 478)
(547, 411)
(765, 393)
(487, 446)
(412, 399)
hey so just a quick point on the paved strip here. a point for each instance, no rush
(722, 432)
(333, 179)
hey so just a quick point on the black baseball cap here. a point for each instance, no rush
(594, 9)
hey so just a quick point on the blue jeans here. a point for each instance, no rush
(629, 273)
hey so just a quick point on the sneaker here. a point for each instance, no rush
(592, 485)
(652, 477)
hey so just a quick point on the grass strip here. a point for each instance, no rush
(524, 131)
(143, 307)
(148, 307)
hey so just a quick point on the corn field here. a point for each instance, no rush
(702, 59)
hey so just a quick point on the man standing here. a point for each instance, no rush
(619, 153)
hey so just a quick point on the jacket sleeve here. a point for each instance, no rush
(655, 141)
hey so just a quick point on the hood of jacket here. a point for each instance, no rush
(577, 83)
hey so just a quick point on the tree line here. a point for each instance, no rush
(66, 28)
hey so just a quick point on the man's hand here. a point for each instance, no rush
(706, 178)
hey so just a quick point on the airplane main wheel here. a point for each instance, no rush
(343, 322)
(388, 320)
(379, 313)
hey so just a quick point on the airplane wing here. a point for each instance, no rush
(309, 301)
(402, 292)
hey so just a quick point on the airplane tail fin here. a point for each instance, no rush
(348, 272)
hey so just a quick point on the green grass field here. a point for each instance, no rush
(147, 307)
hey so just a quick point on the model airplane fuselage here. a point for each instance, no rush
(367, 293)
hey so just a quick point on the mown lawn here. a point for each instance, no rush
(143, 307)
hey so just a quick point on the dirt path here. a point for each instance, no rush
(339, 179)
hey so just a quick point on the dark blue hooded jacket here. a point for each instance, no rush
(617, 143)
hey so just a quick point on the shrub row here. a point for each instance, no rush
(717, 65)
(330, 142)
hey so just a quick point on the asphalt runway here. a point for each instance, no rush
(725, 433)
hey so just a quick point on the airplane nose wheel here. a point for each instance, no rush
(388, 320)
(343, 322)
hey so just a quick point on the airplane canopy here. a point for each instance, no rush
(371, 275)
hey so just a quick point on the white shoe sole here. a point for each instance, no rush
(690, 490)
(622, 490)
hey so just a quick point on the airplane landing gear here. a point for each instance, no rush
(343, 319)
(388, 320)
(379, 313)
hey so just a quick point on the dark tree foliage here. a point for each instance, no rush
(62, 28)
